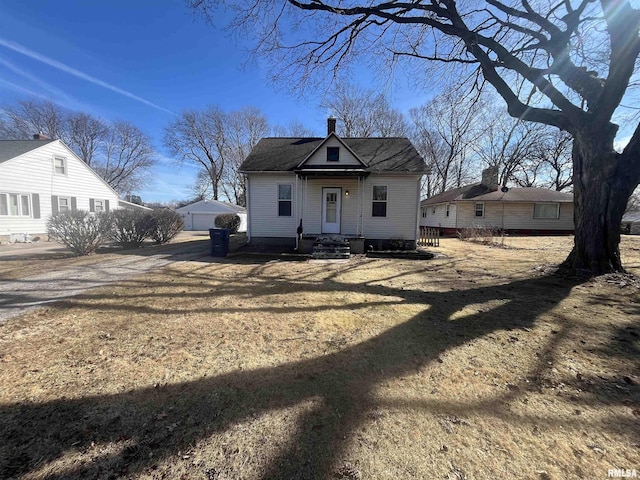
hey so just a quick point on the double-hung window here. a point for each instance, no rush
(479, 210)
(379, 206)
(64, 205)
(285, 199)
(60, 165)
(546, 210)
(446, 210)
(98, 206)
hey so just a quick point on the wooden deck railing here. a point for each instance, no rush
(429, 237)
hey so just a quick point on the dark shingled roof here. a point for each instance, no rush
(482, 193)
(14, 148)
(378, 154)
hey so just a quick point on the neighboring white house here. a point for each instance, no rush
(515, 210)
(39, 178)
(202, 215)
(631, 223)
(360, 188)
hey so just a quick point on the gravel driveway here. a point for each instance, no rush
(28, 293)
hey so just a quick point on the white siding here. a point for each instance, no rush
(403, 198)
(320, 156)
(33, 173)
(402, 206)
(263, 204)
(513, 216)
(312, 205)
(436, 216)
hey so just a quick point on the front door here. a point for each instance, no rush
(331, 210)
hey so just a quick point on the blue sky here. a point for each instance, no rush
(139, 60)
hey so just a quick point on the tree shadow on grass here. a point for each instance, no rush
(156, 423)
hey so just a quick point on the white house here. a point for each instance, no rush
(364, 189)
(39, 178)
(525, 210)
(202, 215)
(631, 223)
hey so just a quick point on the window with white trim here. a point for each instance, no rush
(424, 212)
(60, 165)
(285, 199)
(15, 204)
(446, 210)
(546, 210)
(98, 206)
(379, 204)
(64, 204)
(479, 209)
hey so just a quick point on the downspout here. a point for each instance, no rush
(247, 198)
(417, 229)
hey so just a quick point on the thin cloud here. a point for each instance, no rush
(20, 89)
(32, 78)
(76, 73)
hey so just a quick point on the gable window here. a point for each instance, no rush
(15, 205)
(446, 210)
(479, 209)
(60, 165)
(379, 208)
(546, 210)
(333, 154)
(285, 199)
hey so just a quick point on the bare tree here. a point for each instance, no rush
(509, 144)
(127, 155)
(196, 137)
(564, 63)
(294, 129)
(28, 117)
(361, 112)
(243, 129)
(201, 187)
(218, 142)
(555, 156)
(444, 131)
(85, 134)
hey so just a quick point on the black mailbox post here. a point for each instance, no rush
(219, 241)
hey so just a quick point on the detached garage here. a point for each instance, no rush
(202, 215)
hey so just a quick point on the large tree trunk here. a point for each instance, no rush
(601, 191)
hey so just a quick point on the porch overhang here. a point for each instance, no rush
(331, 172)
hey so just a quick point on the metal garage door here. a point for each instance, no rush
(203, 221)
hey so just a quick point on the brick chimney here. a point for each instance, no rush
(490, 177)
(331, 125)
(40, 136)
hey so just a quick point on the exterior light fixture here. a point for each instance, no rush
(346, 193)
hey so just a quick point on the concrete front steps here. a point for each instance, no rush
(328, 247)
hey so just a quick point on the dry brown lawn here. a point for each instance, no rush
(479, 364)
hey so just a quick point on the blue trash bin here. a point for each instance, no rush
(219, 241)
